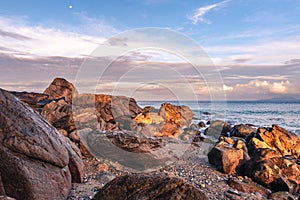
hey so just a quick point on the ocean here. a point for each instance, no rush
(260, 114)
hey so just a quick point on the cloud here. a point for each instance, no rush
(14, 35)
(264, 86)
(200, 12)
(34, 41)
(263, 53)
(227, 88)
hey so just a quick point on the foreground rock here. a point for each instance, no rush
(278, 173)
(36, 161)
(139, 186)
(228, 155)
(274, 159)
(247, 186)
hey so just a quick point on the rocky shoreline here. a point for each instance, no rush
(55, 139)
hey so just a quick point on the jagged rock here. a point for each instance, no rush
(277, 139)
(277, 173)
(180, 115)
(34, 153)
(60, 115)
(228, 154)
(140, 186)
(59, 88)
(107, 111)
(242, 130)
(247, 186)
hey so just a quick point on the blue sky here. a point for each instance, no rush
(255, 44)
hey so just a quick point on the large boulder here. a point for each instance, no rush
(277, 173)
(275, 159)
(228, 155)
(59, 88)
(140, 186)
(110, 112)
(180, 115)
(242, 130)
(277, 139)
(37, 162)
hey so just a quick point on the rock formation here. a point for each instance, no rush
(140, 186)
(228, 154)
(36, 161)
(59, 88)
(274, 160)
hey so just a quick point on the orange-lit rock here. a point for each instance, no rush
(180, 115)
(277, 139)
(227, 155)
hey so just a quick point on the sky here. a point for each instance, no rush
(252, 47)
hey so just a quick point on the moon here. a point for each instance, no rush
(70, 6)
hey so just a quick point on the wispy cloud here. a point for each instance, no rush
(200, 12)
(20, 39)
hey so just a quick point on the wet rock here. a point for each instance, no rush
(59, 88)
(228, 154)
(34, 152)
(140, 186)
(247, 186)
(242, 130)
(201, 124)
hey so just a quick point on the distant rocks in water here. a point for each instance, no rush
(274, 157)
(37, 162)
(143, 186)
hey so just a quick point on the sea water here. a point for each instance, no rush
(259, 114)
